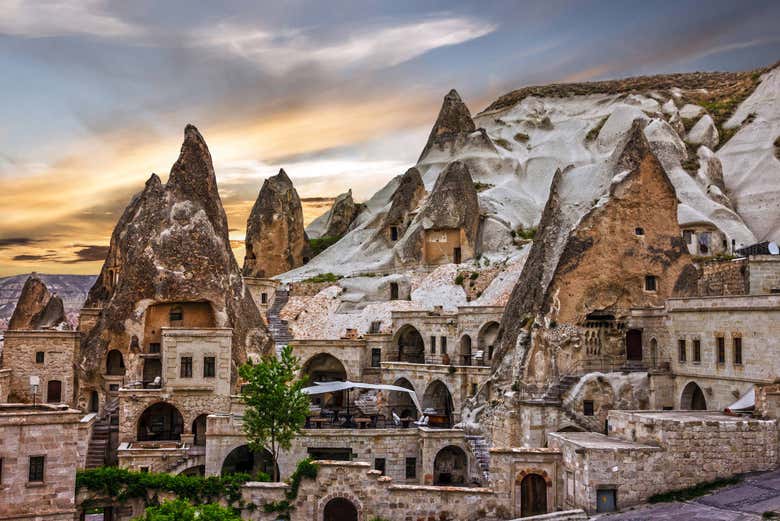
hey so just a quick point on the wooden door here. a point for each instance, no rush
(533, 495)
(634, 344)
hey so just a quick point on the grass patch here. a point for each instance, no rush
(503, 143)
(770, 515)
(522, 137)
(481, 187)
(459, 279)
(594, 132)
(777, 147)
(324, 277)
(526, 233)
(321, 244)
(686, 494)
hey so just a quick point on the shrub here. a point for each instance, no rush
(474, 275)
(481, 187)
(459, 279)
(324, 277)
(503, 143)
(180, 510)
(695, 491)
(321, 244)
(526, 233)
(522, 137)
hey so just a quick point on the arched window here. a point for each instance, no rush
(159, 422)
(115, 364)
(450, 466)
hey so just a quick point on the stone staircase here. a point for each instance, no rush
(279, 330)
(556, 391)
(479, 448)
(97, 452)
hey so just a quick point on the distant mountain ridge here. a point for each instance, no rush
(72, 289)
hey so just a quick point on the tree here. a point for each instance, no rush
(276, 407)
(180, 510)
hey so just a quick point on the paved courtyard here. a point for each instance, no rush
(747, 501)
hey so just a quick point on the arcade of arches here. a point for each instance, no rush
(486, 340)
(437, 404)
(243, 460)
(325, 368)
(160, 422)
(401, 403)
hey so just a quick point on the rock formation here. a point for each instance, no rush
(404, 201)
(704, 132)
(38, 308)
(341, 215)
(171, 245)
(452, 205)
(275, 239)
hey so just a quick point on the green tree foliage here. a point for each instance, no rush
(276, 407)
(180, 510)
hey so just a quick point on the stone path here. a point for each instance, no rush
(746, 501)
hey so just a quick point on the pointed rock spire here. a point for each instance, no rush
(38, 308)
(341, 215)
(454, 119)
(275, 238)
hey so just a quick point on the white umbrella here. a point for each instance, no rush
(746, 402)
(330, 387)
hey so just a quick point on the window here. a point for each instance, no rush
(687, 236)
(39, 357)
(443, 344)
(144, 470)
(36, 469)
(737, 341)
(186, 367)
(474, 389)
(394, 233)
(209, 367)
(411, 468)
(379, 464)
(697, 350)
(264, 298)
(704, 243)
(393, 291)
(587, 407)
(376, 357)
(176, 314)
(433, 345)
(154, 347)
(721, 345)
(681, 350)
(376, 325)
(650, 283)
(639, 231)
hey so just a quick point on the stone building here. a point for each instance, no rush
(41, 449)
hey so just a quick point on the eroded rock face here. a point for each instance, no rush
(275, 239)
(452, 205)
(704, 132)
(341, 215)
(171, 246)
(38, 308)
(405, 199)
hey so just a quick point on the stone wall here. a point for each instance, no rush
(352, 354)
(257, 287)
(5, 384)
(59, 350)
(764, 274)
(197, 344)
(723, 278)
(56, 434)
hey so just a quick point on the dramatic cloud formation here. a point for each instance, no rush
(341, 94)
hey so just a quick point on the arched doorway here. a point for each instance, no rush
(401, 403)
(199, 430)
(243, 460)
(325, 368)
(54, 391)
(634, 345)
(160, 422)
(486, 339)
(437, 405)
(411, 347)
(654, 352)
(692, 398)
(533, 495)
(340, 509)
(115, 364)
(465, 350)
(450, 466)
(152, 373)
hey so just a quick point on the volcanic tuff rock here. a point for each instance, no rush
(171, 245)
(452, 204)
(454, 119)
(341, 215)
(38, 308)
(275, 239)
(405, 199)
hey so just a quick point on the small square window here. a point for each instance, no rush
(587, 407)
(154, 347)
(36, 469)
(681, 350)
(144, 470)
(186, 367)
(639, 231)
(209, 367)
(721, 347)
(379, 464)
(264, 298)
(39, 357)
(737, 350)
(697, 350)
(411, 468)
(651, 283)
(176, 314)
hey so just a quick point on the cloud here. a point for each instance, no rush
(16, 241)
(89, 253)
(33, 257)
(372, 47)
(46, 18)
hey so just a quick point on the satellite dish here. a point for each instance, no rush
(773, 249)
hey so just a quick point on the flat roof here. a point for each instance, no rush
(687, 416)
(595, 440)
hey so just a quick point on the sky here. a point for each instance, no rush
(95, 94)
